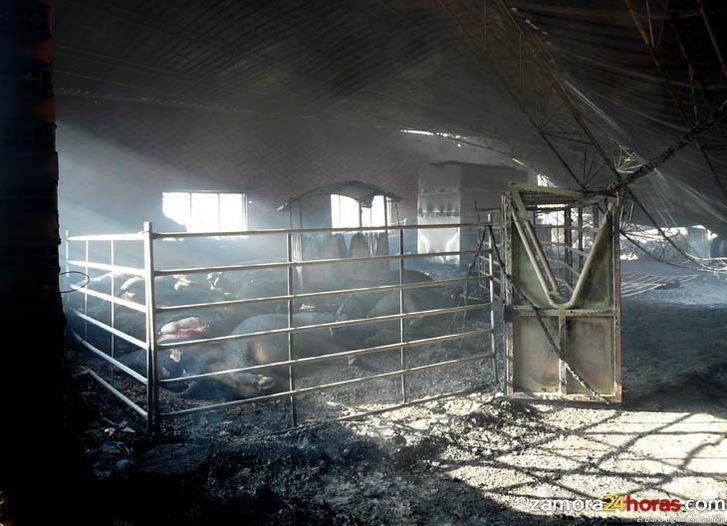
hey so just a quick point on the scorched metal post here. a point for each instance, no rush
(402, 350)
(152, 388)
(291, 354)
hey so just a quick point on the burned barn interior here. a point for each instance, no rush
(363, 262)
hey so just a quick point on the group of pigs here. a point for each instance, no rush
(190, 360)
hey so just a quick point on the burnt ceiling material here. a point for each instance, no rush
(643, 71)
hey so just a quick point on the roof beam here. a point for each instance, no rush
(672, 92)
(672, 150)
(712, 36)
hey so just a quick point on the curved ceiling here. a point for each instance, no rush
(562, 84)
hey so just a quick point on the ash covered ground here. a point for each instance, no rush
(470, 459)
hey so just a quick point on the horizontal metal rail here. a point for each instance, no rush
(271, 231)
(311, 295)
(322, 387)
(125, 368)
(332, 356)
(566, 227)
(526, 310)
(149, 272)
(329, 325)
(109, 268)
(118, 394)
(113, 299)
(110, 329)
(107, 237)
(287, 264)
(566, 246)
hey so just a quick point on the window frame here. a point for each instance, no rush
(189, 226)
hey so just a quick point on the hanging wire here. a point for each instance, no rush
(86, 281)
(694, 260)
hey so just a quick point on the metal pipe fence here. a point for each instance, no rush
(481, 272)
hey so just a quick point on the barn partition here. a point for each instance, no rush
(413, 335)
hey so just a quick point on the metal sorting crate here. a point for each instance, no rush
(562, 294)
(480, 273)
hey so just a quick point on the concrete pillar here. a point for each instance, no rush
(38, 458)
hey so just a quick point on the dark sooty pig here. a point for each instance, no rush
(368, 300)
(415, 300)
(176, 362)
(261, 350)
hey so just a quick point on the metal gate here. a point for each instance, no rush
(470, 318)
(562, 294)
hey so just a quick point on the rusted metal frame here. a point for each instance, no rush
(286, 264)
(328, 325)
(333, 356)
(332, 385)
(571, 397)
(614, 223)
(152, 373)
(672, 93)
(610, 225)
(311, 295)
(532, 245)
(525, 310)
(118, 394)
(712, 36)
(600, 237)
(113, 361)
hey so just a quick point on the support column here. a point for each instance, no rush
(40, 462)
